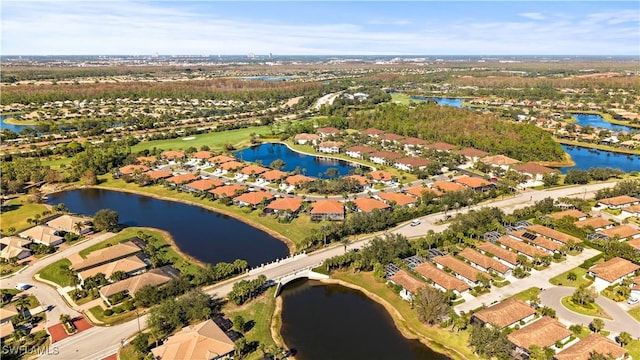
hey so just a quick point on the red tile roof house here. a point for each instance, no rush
(273, 175)
(410, 284)
(384, 157)
(618, 202)
(253, 170)
(545, 332)
(440, 279)
(504, 256)
(544, 244)
(230, 166)
(397, 198)
(612, 272)
(327, 210)
(367, 205)
(227, 191)
(221, 159)
(506, 314)
(202, 155)
(411, 143)
(483, 262)
(501, 161)
(284, 205)
(146, 160)
(361, 180)
(553, 235)
(330, 147)
(304, 139)
(203, 185)
(631, 211)
(253, 198)
(475, 183)
(298, 180)
(419, 191)
(327, 131)
(411, 163)
(180, 179)
(441, 146)
(131, 170)
(447, 186)
(573, 213)
(372, 132)
(533, 170)
(530, 252)
(390, 138)
(359, 151)
(156, 175)
(594, 343)
(172, 155)
(621, 232)
(472, 154)
(463, 271)
(381, 176)
(596, 223)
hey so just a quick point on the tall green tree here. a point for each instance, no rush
(431, 304)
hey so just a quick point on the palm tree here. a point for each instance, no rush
(21, 305)
(78, 227)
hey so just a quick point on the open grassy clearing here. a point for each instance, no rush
(562, 280)
(56, 273)
(16, 211)
(635, 312)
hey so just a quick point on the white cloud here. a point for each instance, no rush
(533, 16)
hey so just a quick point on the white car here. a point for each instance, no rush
(22, 286)
(633, 301)
(416, 222)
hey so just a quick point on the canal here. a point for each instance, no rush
(587, 158)
(595, 120)
(203, 234)
(323, 321)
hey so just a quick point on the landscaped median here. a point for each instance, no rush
(588, 309)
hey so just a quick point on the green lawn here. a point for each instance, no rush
(592, 309)
(561, 280)
(402, 99)
(634, 349)
(528, 294)
(114, 319)
(635, 312)
(56, 272)
(215, 140)
(439, 339)
(16, 211)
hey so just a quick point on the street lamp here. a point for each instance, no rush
(138, 317)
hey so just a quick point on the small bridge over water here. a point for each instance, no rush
(306, 272)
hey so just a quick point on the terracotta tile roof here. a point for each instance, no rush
(182, 178)
(634, 243)
(391, 137)
(298, 179)
(254, 197)
(381, 175)
(521, 247)
(553, 234)
(594, 343)
(361, 149)
(460, 267)
(292, 204)
(368, 204)
(447, 186)
(331, 144)
(636, 283)
(441, 146)
(327, 130)
(202, 155)
(594, 222)
(273, 175)
(499, 252)
(159, 174)
(42, 233)
(419, 190)
(146, 159)
(634, 209)
(111, 253)
(407, 281)
(576, 214)
(614, 269)
(621, 231)
(412, 141)
(154, 277)
(499, 160)
(533, 168)
(400, 199)
(205, 184)
(327, 207)
(619, 200)
(387, 155)
(231, 165)
(414, 161)
(201, 341)
(505, 313)
(440, 277)
(228, 190)
(483, 260)
(128, 264)
(472, 182)
(172, 154)
(305, 136)
(130, 169)
(544, 333)
(372, 132)
(221, 159)
(253, 170)
(471, 152)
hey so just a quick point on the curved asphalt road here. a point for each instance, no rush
(621, 320)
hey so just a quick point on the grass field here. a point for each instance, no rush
(399, 98)
(16, 211)
(527, 294)
(634, 349)
(561, 280)
(98, 312)
(592, 309)
(55, 272)
(635, 312)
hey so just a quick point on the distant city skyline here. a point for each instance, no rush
(320, 28)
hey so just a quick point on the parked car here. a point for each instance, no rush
(633, 301)
(22, 286)
(416, 222)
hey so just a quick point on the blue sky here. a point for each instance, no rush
(320, 28)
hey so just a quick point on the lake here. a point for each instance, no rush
(327, 321)
(206, 235)
(587, 158)
(455, 102)
(595, 120)
(14, 128)
(314, 165)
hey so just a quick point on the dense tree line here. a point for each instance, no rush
(577, 176)
(245, 290)
(625, 187)
(172, 314)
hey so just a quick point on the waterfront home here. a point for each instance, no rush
(506, 314)
(327, 210)
(545, 332)
(201, 341)
(463, 271)
(172, 155)
(412, 144)
(631, 211)
(440, 279)
(273, 175)
(372, 132)
(447, 186)
(474, 183)
(14, 247)
(283, 205)
(501, 161)
(71, 224)
(530, 252)
(384, 177)
(227, 191)
(156, 175)
(554, 235)
(384, 157)
(203, 185)
(535, 171)
(131, 170)
(327, 131)
(298, 180)
(367, 205)
(612, 272)
(253, 198)
(130, 265)
(397, 198)
(441, 146)
(42, 234)
(503, 255)
(131, 285)
(573, 213)
(104, 256)
(618, 202)
(304, 139)
(330, 147)
(411, 163)
(181, 179)
(410, 284)
(621, 232)
(472, 155)
(359, 151)
(252, 170)
(483, 262)
(594, 343)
